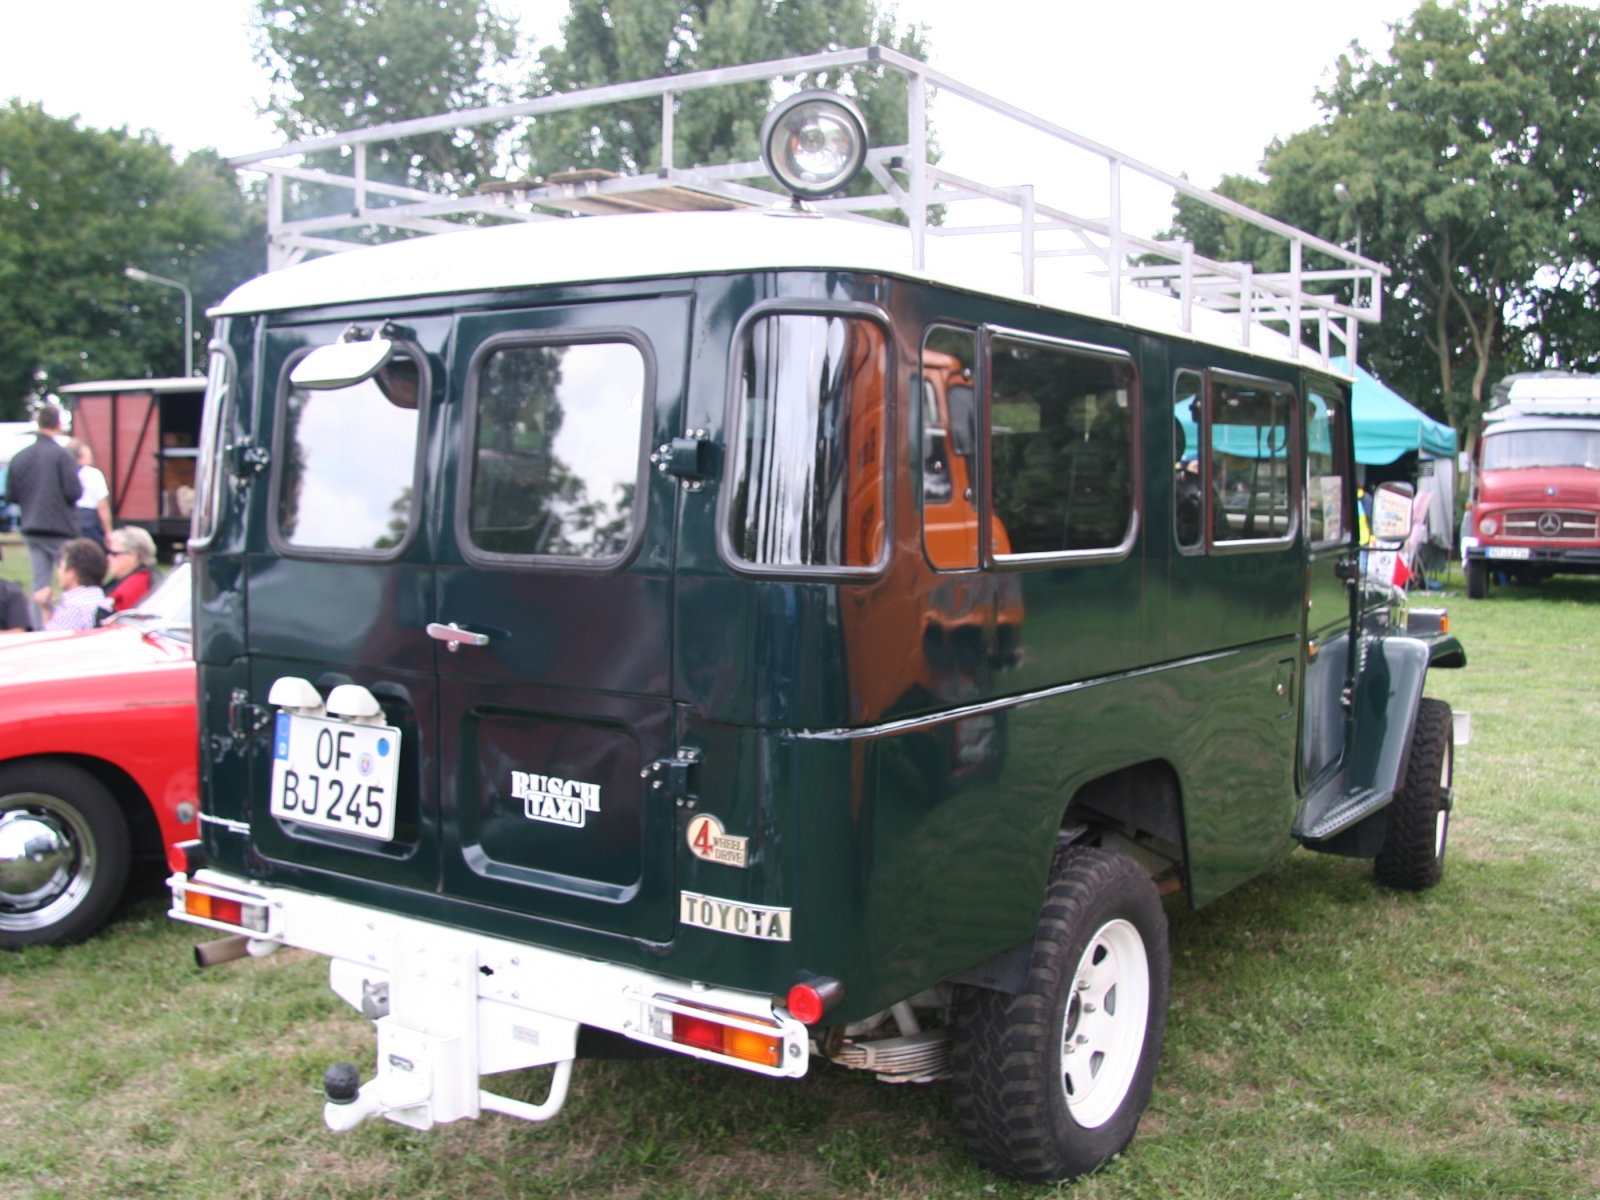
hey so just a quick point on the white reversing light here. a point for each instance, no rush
(814, 143)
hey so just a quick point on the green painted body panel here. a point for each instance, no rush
(900, 792)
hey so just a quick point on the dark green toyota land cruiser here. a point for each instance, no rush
(764, 636)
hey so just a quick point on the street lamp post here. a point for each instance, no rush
(188, 312)
(1341, 193)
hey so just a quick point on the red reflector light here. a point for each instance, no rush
(697, 1032)
(226, 911)
(805, 1004)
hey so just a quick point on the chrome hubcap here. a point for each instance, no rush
(1102, 1034)
(47, 860)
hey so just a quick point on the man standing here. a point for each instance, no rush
(43, 479)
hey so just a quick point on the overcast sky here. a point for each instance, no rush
(1189, 87)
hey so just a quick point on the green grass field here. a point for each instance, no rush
(1328, 1039)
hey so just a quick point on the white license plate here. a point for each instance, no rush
(1509, 552)
(335, 775)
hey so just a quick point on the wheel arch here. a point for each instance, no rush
(145, 841)
(1136, 810)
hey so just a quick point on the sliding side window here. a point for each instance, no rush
(949, 448)
(1251, 436)
(806, 488)
(555, 456)
(1061, 447)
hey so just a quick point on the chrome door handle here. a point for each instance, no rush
(456, 636)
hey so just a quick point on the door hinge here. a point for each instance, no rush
(245, 718)
(248, 458)
(693, 459)
(678, 776)
(1346, 569)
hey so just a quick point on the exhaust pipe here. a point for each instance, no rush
(209, 954)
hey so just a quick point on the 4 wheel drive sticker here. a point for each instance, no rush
(559, 801)
(742, 920)
(708, 841)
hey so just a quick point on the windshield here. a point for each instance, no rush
(166, 611)
(1517, 450)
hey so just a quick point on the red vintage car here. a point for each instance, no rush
(97, 764)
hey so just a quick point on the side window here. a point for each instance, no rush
(1188, 467)
(1061, 448)
(949, 448)
(806, 482)
(1326, 462)
(213, 431)
(555, 454)
(1251, 445)
(348, 463)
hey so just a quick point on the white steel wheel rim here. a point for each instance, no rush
(1441, 822)
(1103, 1027)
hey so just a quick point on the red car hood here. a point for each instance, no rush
(27, 658)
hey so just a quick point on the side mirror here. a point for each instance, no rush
(341, 364)
(1391, 511)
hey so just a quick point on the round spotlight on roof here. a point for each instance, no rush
(814, 143)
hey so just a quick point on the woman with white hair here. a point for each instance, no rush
(131, 552)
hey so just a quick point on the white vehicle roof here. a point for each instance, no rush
(1582, 387)
(666, 245)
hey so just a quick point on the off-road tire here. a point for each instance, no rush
(1477, 579)
(1412, 858)
(92, 824)
(1006, 1062)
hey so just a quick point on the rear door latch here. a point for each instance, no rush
(678, 776)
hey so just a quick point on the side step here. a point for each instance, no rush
(1345, 812)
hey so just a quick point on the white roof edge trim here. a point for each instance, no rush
(596, 250)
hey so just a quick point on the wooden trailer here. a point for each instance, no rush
(145, 434)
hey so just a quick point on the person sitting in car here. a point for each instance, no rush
(82, 566)
(131, 552)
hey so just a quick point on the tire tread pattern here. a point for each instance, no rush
(1410, 860)
(1002, 1061)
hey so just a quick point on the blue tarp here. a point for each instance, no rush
(1388, 426)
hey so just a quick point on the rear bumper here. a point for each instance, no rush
(461, 1004)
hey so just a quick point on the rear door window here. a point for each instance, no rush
(806, 485)
(347, 463)
(556, 453)
(1061, 423)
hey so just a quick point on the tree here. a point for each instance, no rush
(79, 205)
(1464, 156)
(347, 64)
(615, 41)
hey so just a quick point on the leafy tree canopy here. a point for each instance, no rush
(615, 41)
(339, 65)
(1467, 156)
(79, 205)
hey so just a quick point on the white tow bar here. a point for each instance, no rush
(431, 1051)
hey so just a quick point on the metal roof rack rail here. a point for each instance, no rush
(1331, 303)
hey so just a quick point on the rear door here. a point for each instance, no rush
(555, 573)
(340, 583)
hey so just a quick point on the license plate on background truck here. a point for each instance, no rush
(335, 775)
(1518, 552)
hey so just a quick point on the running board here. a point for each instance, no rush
(1345, 812)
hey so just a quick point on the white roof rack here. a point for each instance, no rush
(1277, 310)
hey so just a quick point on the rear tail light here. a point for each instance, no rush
(716, 1037)
(226, 909)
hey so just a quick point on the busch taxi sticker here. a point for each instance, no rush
(741, 920)
(558, 801)
(708, 841)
